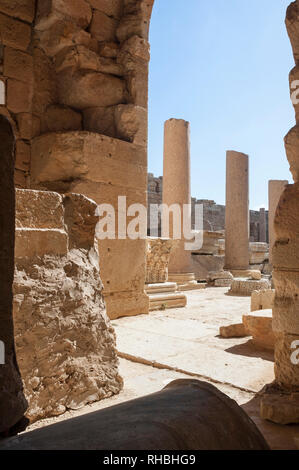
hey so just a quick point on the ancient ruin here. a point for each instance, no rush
(86, 317)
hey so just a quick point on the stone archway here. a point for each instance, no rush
(12, 401)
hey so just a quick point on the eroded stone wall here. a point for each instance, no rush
(65, 345)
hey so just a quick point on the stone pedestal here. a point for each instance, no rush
(276, 188)
(237, 212)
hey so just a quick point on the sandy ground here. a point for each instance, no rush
(184, 343)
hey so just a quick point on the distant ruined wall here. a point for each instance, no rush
(213, 214)
(65, 344)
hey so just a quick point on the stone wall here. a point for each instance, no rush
(213, 214)
(65, 345)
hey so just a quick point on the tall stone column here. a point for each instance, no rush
(237, 212)
(176, 185)
(281, 401)
(263, 226)
(276, 188)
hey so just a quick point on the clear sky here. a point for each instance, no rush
(222, 65)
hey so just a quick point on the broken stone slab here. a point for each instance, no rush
(247, 286)
(233, 331)
(259, 326)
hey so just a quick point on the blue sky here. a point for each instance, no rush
(222, 65)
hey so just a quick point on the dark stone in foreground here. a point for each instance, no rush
(186, 415)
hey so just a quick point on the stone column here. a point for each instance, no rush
(280, 403)
(276, 188)
(263, 226)
(237, 212)
(176, 184)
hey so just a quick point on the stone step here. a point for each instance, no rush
(158, 288)
(167, 300)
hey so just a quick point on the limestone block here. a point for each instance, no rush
(158, 251)
(210, 243)
(19, 96)
(14, 33)
(65, 156)
(223, 282)
(85, 89)
(286, 253)
(109, 49)
(103, 27)
(294, 77)
(286, 372)
(21, 9)
(217, 275)
(38, 242)
(256, 275)
(280, 407)
(45, 92)
(258, 253)
(61, 34)
(100, 120)
(39, 210)
(111, 254)
(81, 57)
(18, 65)
(28, 125)
(166, 301)
(247, 286)
(286, 315)
(262, 299)
(203, 265)
(233, 331)
(20, 179)
(131, 123)
(109, 7)
(59, 118)
(291, 145)
(126, 304)
(81, 220)
(136, 19)
(160, 287)
(50, 12)
(293, 28)
(286, 284)
(22, 156)
(259, 326)
(287, 217)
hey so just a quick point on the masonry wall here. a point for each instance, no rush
(214, 214)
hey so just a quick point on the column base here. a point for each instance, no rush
(163, 296)
(280, 406)
(186, 281)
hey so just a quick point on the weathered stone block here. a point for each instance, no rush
(28, 125)
(40, 242)
(109, 7)
(286, 315)
(136, 19)
(100, 120)
(103, 27)
(292, 149)
(262, 300)
(85, 89)
(22, 9)
(22, 155)
(14, 33)
(59, 118)
(18, 65)
(203, 265)
(19, 96)
(50, 12)
(293, 28)
(39, 210)
(286, 361)
(126, 304)
(233, 331)
(131, 123)
(66, 156)
(259, 326)
(247, 286)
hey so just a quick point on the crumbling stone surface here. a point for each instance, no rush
(259, 326)
(247, 286)
(157, 259)
(65, 345)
